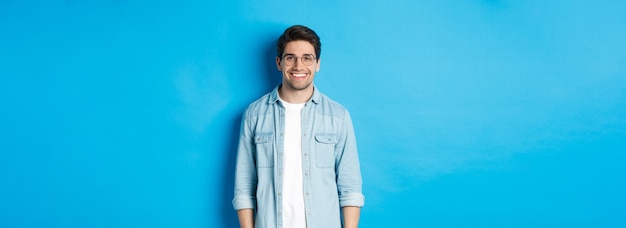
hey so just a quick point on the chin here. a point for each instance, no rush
(299, 87)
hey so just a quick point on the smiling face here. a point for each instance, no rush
(298, 77)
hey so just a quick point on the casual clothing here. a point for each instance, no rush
(331, 176)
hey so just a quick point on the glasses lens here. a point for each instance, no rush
(289, 60)
(308, 60)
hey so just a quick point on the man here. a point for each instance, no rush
(297, 163)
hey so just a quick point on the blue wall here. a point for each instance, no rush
(471, 113)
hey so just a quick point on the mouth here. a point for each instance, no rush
(299, 76)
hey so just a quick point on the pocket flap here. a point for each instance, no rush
(327, 138)
(263, 137)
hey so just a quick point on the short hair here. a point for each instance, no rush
(295, 33)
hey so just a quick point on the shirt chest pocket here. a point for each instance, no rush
(325, 150)
(264, 142)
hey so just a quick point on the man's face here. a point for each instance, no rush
(297, 76)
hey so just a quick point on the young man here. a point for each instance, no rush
(297, 163)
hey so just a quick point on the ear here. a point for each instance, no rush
(278, 64)
(319, 61)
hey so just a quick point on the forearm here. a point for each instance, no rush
(246, 218)
(351, 216)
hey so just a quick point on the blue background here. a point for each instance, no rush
(469, 113)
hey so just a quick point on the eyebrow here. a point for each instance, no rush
(286, 54)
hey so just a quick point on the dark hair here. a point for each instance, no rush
(295, 33)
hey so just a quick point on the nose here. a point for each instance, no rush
(298, 64)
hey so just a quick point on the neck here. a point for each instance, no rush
(295, 96)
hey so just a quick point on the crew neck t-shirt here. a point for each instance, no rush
(293, 197)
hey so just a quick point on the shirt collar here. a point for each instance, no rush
(316, 98)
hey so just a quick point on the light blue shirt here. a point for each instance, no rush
(330, 163)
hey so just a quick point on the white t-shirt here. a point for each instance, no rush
(293, 198)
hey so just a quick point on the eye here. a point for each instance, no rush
(289, 58)
(308, 58)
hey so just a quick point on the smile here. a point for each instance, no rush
(299, 75)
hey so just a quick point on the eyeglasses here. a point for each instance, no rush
(306, 59)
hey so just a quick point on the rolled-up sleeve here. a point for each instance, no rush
(245, 173)
(349, 182)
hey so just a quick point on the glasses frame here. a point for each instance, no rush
(296, 59)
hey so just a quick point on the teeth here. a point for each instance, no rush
(299, 75)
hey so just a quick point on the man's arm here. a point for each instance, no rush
(351, 216)
(246, 218)
(349, 181)
(245, 177)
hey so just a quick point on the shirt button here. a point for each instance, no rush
(306, 174)
(305, 154)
